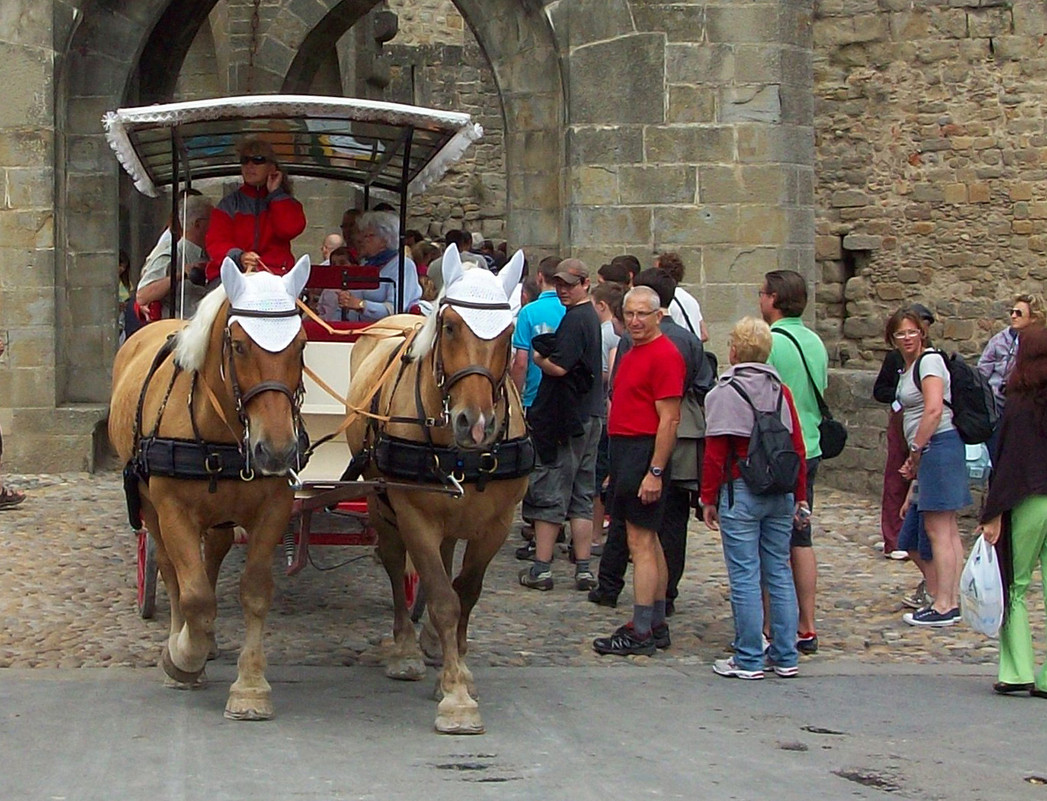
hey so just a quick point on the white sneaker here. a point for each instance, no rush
(727, 668)
(898, 556)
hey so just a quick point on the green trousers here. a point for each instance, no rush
(1028, 546)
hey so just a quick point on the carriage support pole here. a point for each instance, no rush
(404, 177)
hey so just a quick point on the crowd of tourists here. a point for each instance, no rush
(636, 427)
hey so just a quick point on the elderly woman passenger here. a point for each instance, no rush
(377, 240)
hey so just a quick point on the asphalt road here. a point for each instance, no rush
(621, 731)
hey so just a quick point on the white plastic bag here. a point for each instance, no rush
(981, 590)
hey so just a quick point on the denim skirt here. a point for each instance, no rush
(943, 474)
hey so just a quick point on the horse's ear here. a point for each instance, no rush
(232, 278)
(297, 278)
(511, 273)
(452, 265)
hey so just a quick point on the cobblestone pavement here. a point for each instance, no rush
(67, 598)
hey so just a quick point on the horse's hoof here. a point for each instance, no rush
(249, 705)
(405, 670)
(462, 721)
(175, 672)
(199, 684)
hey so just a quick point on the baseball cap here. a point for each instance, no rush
(924, 313)
(572, 271)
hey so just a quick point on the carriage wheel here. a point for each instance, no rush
(147, 572)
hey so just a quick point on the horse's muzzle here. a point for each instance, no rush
(473, 430)
(273, 461)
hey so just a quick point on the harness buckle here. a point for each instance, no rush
(213, 463)
(487, 463)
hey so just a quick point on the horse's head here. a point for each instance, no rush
(263, 346)
(472, 337)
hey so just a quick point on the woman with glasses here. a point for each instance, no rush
(936, 460)
(254, 225)
(377, 241)
(997, 360)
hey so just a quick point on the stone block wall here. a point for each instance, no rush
(930, 154)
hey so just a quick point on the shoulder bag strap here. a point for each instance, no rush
(686, 319)
(822, 406)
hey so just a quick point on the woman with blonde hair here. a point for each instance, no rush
(755, 529)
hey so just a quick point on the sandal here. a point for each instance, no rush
(1003, 688)
(10, 497)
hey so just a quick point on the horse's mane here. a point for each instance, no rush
(426, 336)
(191, 342)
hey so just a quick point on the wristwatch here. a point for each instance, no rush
(914, 448)
(656, 471)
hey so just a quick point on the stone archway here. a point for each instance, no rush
(97, 71)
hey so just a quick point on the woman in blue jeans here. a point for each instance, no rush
(755, 529)
(936, 457)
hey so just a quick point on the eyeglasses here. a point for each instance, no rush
(639, 315)
(902, 335)
(763, 293)
(252, 160)
(1017, 313)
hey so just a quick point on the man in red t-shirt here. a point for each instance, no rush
(645, 410)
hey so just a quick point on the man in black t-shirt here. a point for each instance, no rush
(566, 420)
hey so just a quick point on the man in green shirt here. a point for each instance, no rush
(783, 297)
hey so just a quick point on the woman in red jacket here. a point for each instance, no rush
(254, 225)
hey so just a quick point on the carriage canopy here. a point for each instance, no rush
(386, 146)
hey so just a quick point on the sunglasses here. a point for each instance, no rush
(1016, 313)
(253, 160)
(901, 335)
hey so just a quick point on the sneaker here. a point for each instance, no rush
(807, 643)
(624, 642)
(783, 672)
(918, 598)
(543, 581)
(661, 636)
(584, 581)
(601, 598)
(727, 668)
(525, 553)
(898, 556)
(932, 617)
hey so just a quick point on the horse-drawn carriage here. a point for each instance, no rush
(210, 414)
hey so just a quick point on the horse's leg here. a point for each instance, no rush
(457, 712)
(193, 607)
(428, 639)
(217, 543)
(405, 662)
(250, 697)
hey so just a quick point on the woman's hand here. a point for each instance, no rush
(991, 529)
(250, 260)
(347, 300)
(711, 516)
(911, 467)
(272, 183)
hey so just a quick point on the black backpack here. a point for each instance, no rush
(772, 464)
(974, 411)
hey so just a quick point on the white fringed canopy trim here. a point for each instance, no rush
(119, 123)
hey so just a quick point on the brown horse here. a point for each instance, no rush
(205, 415)
(451, 417)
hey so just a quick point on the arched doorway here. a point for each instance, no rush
(123, 54)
